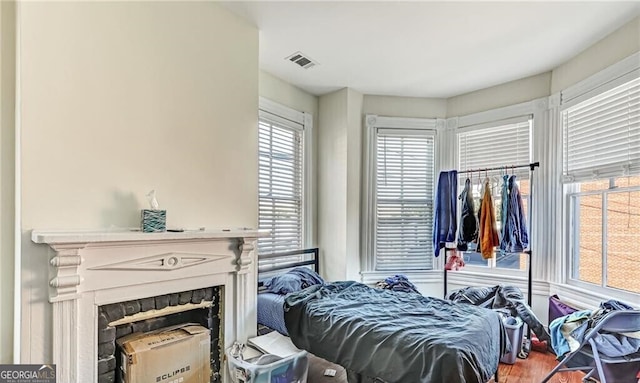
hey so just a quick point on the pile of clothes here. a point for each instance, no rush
(567, 332)
(503, 298)
(397, 283)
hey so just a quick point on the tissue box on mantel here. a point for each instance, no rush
(154, 221)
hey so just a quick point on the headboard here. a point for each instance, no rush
(273, 264)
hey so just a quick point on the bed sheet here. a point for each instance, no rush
(396, 336)
(271, 311)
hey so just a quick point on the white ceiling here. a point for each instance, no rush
(425, 49)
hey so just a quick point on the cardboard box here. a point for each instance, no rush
(176, 354)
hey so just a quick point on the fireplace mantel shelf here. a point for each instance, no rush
(88, 269)
(62, 237)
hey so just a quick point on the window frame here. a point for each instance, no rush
(607, 79)
(493, 119)
(373, 123)
(600, 291)
(279, 112)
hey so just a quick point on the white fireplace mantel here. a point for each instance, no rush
(93, 268)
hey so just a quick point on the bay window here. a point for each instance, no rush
(601, 173)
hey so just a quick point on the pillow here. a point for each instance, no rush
(293, 280)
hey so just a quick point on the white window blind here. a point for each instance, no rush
(280, 184)
(496, 146)
(404, 199)
(602, 134)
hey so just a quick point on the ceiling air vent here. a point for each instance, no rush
(302, 60)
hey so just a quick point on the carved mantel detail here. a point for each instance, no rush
(246, 256)
(162, 262)
(64, 277)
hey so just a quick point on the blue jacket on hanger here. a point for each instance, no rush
(446, 206)
(504, 205)
(516, 236)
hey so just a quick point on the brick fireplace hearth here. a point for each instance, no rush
(201, 306)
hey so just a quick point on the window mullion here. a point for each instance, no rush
(605, 197)
(575, 244)
(273, 200)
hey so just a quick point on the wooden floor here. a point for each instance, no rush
(534, 369)
(530, 370)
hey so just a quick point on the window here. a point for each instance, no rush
(401, 194)
(498, 144)
(602, 134)
(281, 179)
(601, 171)
(606, 232)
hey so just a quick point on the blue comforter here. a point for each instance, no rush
(396, 336)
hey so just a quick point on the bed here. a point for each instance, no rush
(270, 308)
(388, 335)
(396, 336)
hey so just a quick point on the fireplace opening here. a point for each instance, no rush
(201, 306)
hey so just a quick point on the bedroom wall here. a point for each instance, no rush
(121, 98)
(355, 102)
(332, 177)
(394, 106)
(7, 176)
(510, 93)
(339, 161)
(611, 49)
(280, 91)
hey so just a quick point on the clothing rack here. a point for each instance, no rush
(532, 166)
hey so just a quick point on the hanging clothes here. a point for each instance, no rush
(516, 236)
(468, 229)
(488, 235)
(444, 222)
(504, 206)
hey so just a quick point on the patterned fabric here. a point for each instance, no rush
(270, 312)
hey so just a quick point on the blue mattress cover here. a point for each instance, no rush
(396, 336)
(271, 311)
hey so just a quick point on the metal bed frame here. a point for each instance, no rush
(314, 261)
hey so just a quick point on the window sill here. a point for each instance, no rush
(493, 271)
(586, 295)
